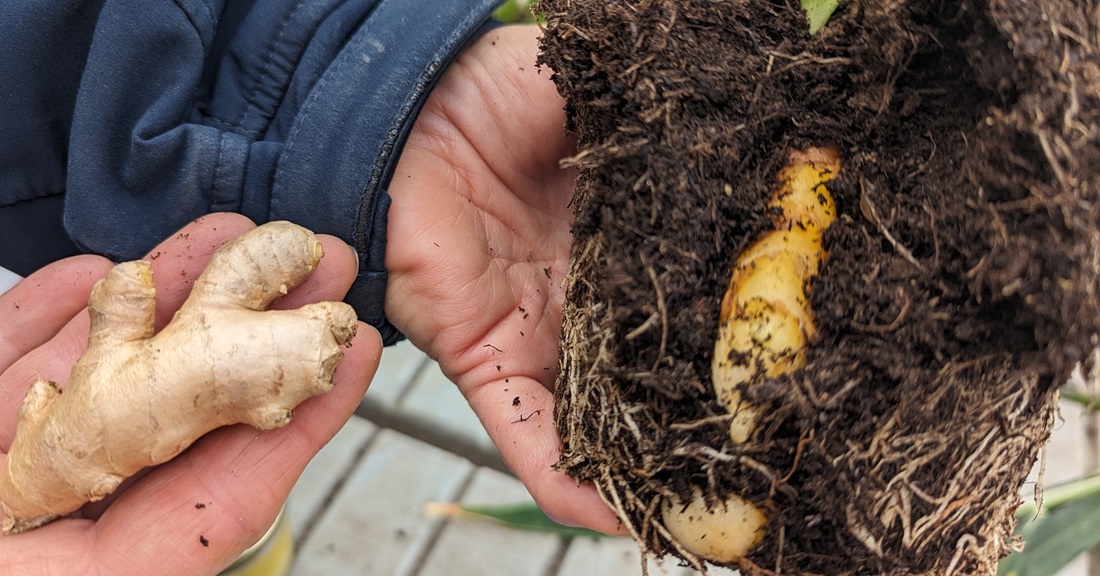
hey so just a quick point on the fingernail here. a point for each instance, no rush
(355, 255)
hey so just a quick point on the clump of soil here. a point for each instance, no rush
(959, 291)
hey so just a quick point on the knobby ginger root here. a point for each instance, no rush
(136, 399)
(765, 322)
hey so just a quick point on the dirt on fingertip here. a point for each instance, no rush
(957, 295)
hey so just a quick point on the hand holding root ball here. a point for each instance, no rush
(479, 246)
(47, 337)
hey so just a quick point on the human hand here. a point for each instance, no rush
(478, 250)
(240, 475)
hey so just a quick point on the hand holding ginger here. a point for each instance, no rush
(136, 400)
(241, 475)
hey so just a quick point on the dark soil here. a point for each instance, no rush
(959, 291)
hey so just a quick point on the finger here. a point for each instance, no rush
(179, 260)
(35, 312)
(65, 547)
(519, 417)
(176, 263)
(330, 281)
(39, 305)
(239, 478)
(51, 361)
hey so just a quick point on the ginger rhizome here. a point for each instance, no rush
(136, 399)
(765, 322)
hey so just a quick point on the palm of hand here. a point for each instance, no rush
(478, 250)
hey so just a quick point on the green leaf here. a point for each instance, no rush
(818, 12)
(1087, 401)
(1068, 525)
(521, 516)
(507, 13)
(514, 12)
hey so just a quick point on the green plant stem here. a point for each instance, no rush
(520, 516)
(1089, 402)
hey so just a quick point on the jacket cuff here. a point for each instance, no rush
(350, 132)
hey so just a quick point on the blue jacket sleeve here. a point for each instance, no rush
(43, 49)
(164, 110)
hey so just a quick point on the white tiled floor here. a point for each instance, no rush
(483, 548)
(374, 523)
